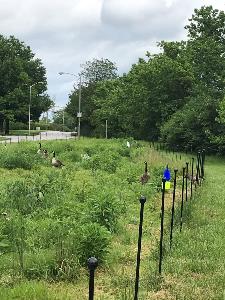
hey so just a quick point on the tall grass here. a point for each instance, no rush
(54, 219)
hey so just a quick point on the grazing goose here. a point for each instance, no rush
(45, 153)
(55, 162)
(145, 177)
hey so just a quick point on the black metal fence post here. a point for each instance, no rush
(142, 201)
(192, 176)
(182, 201)
(26, 136)
(173, 204)
(203, 163)
(162, 225)
(92, 265)
(198, 167)
(186, 182)
(200, 164)
(40, 136)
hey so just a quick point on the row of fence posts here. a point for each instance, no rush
(92, 262)
(195, 179)
(26, 138)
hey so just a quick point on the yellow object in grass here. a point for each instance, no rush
(167, 185)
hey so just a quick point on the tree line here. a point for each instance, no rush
(176, 96)
(19, 70)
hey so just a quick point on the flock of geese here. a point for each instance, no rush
(44, 153)
(58, 164)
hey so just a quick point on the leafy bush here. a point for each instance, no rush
(157, 174)
(18, 126)
(39, 265)
(16, 159)
(104, 209)
(92, 240)
(21, 196)
(107, 161)
(190, 125)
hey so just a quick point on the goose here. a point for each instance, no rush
(145, 177)
(40, 151)
(45, 153)
(195, 180)
(55, 162)
(128, 144)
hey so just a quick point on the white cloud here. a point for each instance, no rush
(66, 33)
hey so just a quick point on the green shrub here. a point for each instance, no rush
(21, 196)
(92, 240)
(16, 159)
(106, 161)
(104, 209)
(157, 174)
(39, 265)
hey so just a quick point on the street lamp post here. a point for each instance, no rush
(79, 114)
(30, 103)
(63, 120)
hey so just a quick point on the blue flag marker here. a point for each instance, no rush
(166, 174)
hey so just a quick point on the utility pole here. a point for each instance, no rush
(29, 111)
(46, 117)
(79, 115)
(63, 119)
(29, 119)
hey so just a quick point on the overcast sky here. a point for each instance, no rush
(66, 33)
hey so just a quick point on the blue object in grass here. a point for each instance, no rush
(166, 174)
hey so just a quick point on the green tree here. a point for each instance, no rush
(204, 52)
(98, 70)
(19, 69)
(61, 118)
(93, 72)
(136, 104)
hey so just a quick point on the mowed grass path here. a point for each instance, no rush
(195, 268)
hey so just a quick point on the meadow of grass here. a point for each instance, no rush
(195, 268)
(54, 219)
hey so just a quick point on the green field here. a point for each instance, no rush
(54, 219)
